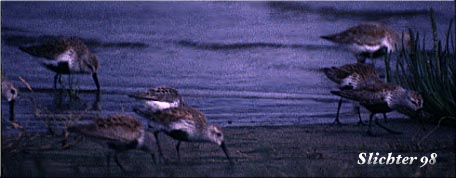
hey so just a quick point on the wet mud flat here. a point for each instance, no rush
(312, 150)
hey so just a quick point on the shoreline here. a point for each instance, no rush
(309, 150)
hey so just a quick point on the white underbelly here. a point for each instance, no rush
(364, 48)
(161, 105)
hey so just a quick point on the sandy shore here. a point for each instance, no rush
(312, 150)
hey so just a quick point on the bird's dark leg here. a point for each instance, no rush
(160, 153)
(385, 118)
(336, 121)
(55, 80)
(386, 128)
(70, 81)
(116, 158)
(95, 79)
(361, 58)
(11, 107)
(60, 81)
(97, 104)
(152, 155)
(149, 151)
(369, 131)
(360, 122)
(420, 119)
(108, 160)
(177, 150)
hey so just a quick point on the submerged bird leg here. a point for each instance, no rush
(149, 151)
(152, 155)
(70, 82)
(420, 119)
(336, 121)
(385, 118)
(108, 160)
(56, 76)
(369, 131)
(11, 107)
(95, 79)
(177, 150)
(116, 158)
(360, 122)
(361, 58)
(386, 128)
(160, 153)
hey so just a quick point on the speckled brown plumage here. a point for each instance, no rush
(176, 114)
(383, 98)
(352, 76)
(161, 93)
(184, 124)
(66, 56)
(121, 132)
(56, 46)
(363, 34)
(118, 127)
(160, 98)
(365, 74)
(369, 40)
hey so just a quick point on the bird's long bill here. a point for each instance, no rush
(11, 107)
(95, 79)
(226, 151)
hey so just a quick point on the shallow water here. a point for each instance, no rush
(241, 63)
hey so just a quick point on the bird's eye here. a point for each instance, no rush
(218, 134)
(13, 92)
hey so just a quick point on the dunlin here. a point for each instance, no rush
(120, 133)
(369, 40)
(10, 92)
(383, 98)
(66, 56)
(350, 77)
(160, 98)
(184, 124)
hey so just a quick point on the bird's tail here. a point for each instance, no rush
(332, 38)
(34, 51)
(28, 50)
(135, 96)
(331, 73)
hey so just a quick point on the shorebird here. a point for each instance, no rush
(120, 133)
(350, 77)
(10, 92)
(383, 98)
(184, 124)
(66, 56)
(369, 40)
(160, 98)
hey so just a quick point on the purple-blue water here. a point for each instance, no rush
(241, 63)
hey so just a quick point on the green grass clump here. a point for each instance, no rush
(432, 73)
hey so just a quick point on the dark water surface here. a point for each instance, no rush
(241, 63)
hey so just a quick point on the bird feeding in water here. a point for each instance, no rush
(66, 56)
